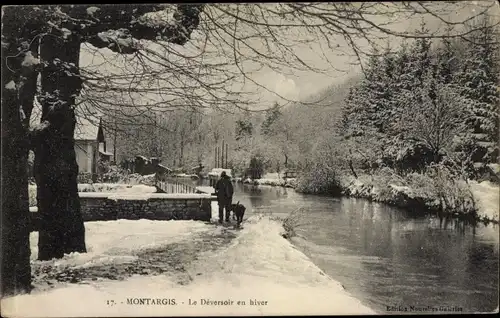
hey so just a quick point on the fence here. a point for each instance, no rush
(290, 174)
(173, 185)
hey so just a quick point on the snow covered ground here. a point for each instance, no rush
(205, 189)
(110, 242)
(487, 196)
(100, 187)
(143, 196)
(185, 175)
(115, 187)
(216, 172)
(259, 265)
(270, 179)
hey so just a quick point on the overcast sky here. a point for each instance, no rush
(309, 82)
(339, 67)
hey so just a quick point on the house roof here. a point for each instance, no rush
(86, 128)
(165, 167)
(109, 154)
(217, 172)
(101, 151)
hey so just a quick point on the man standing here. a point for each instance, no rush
(224, 190)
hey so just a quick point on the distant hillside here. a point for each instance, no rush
(319, 113)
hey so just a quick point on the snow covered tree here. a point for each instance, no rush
(114, 27)
(399, 88)
(19, 68)
(364, 98)
(479, 81)
(271, 116)
(447, 61)
(437, 119)
(54, 34)
(244, 128)
(370, 109)
(284, 133)
(421, 58)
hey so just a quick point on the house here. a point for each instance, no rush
(144, 166)
(90, 145)
(90, 141)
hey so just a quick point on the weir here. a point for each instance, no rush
(173, 201)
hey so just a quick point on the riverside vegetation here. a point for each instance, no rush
(416, 129)
(419, 130)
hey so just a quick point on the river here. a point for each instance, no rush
(386, 257)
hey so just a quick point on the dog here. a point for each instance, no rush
(238, 212)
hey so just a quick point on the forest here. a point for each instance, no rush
(429, 105)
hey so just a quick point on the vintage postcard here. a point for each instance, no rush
(231, 159)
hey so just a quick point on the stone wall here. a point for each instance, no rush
(105, 207)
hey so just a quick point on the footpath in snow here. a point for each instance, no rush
(257, 273)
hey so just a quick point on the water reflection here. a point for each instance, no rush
(386, 256)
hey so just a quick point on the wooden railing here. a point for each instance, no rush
(173, 185)
(290, 174)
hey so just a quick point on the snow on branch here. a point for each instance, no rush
(122, 34)
(10, 85)
(116, 40)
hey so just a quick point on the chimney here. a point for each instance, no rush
(100, 135)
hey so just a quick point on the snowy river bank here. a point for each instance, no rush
(255, 270)
(486, 194)
(376, 251)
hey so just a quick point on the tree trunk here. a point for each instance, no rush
(435, 156)
(181, 153)
(56, 170)
(15, 251)
(352, 169)
(114, 143)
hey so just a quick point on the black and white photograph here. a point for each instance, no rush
(250, 159)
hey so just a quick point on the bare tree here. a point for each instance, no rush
(437, 120)
(55, 33)
(235, 41)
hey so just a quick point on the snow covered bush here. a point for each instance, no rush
(437, 188)
(486, 196)
(291, 183)
(256, 168)
(84, 177)
(320, 178)
(421, 185)
(113, 173)
(452, 192)
(134, 179)
(291, 222)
